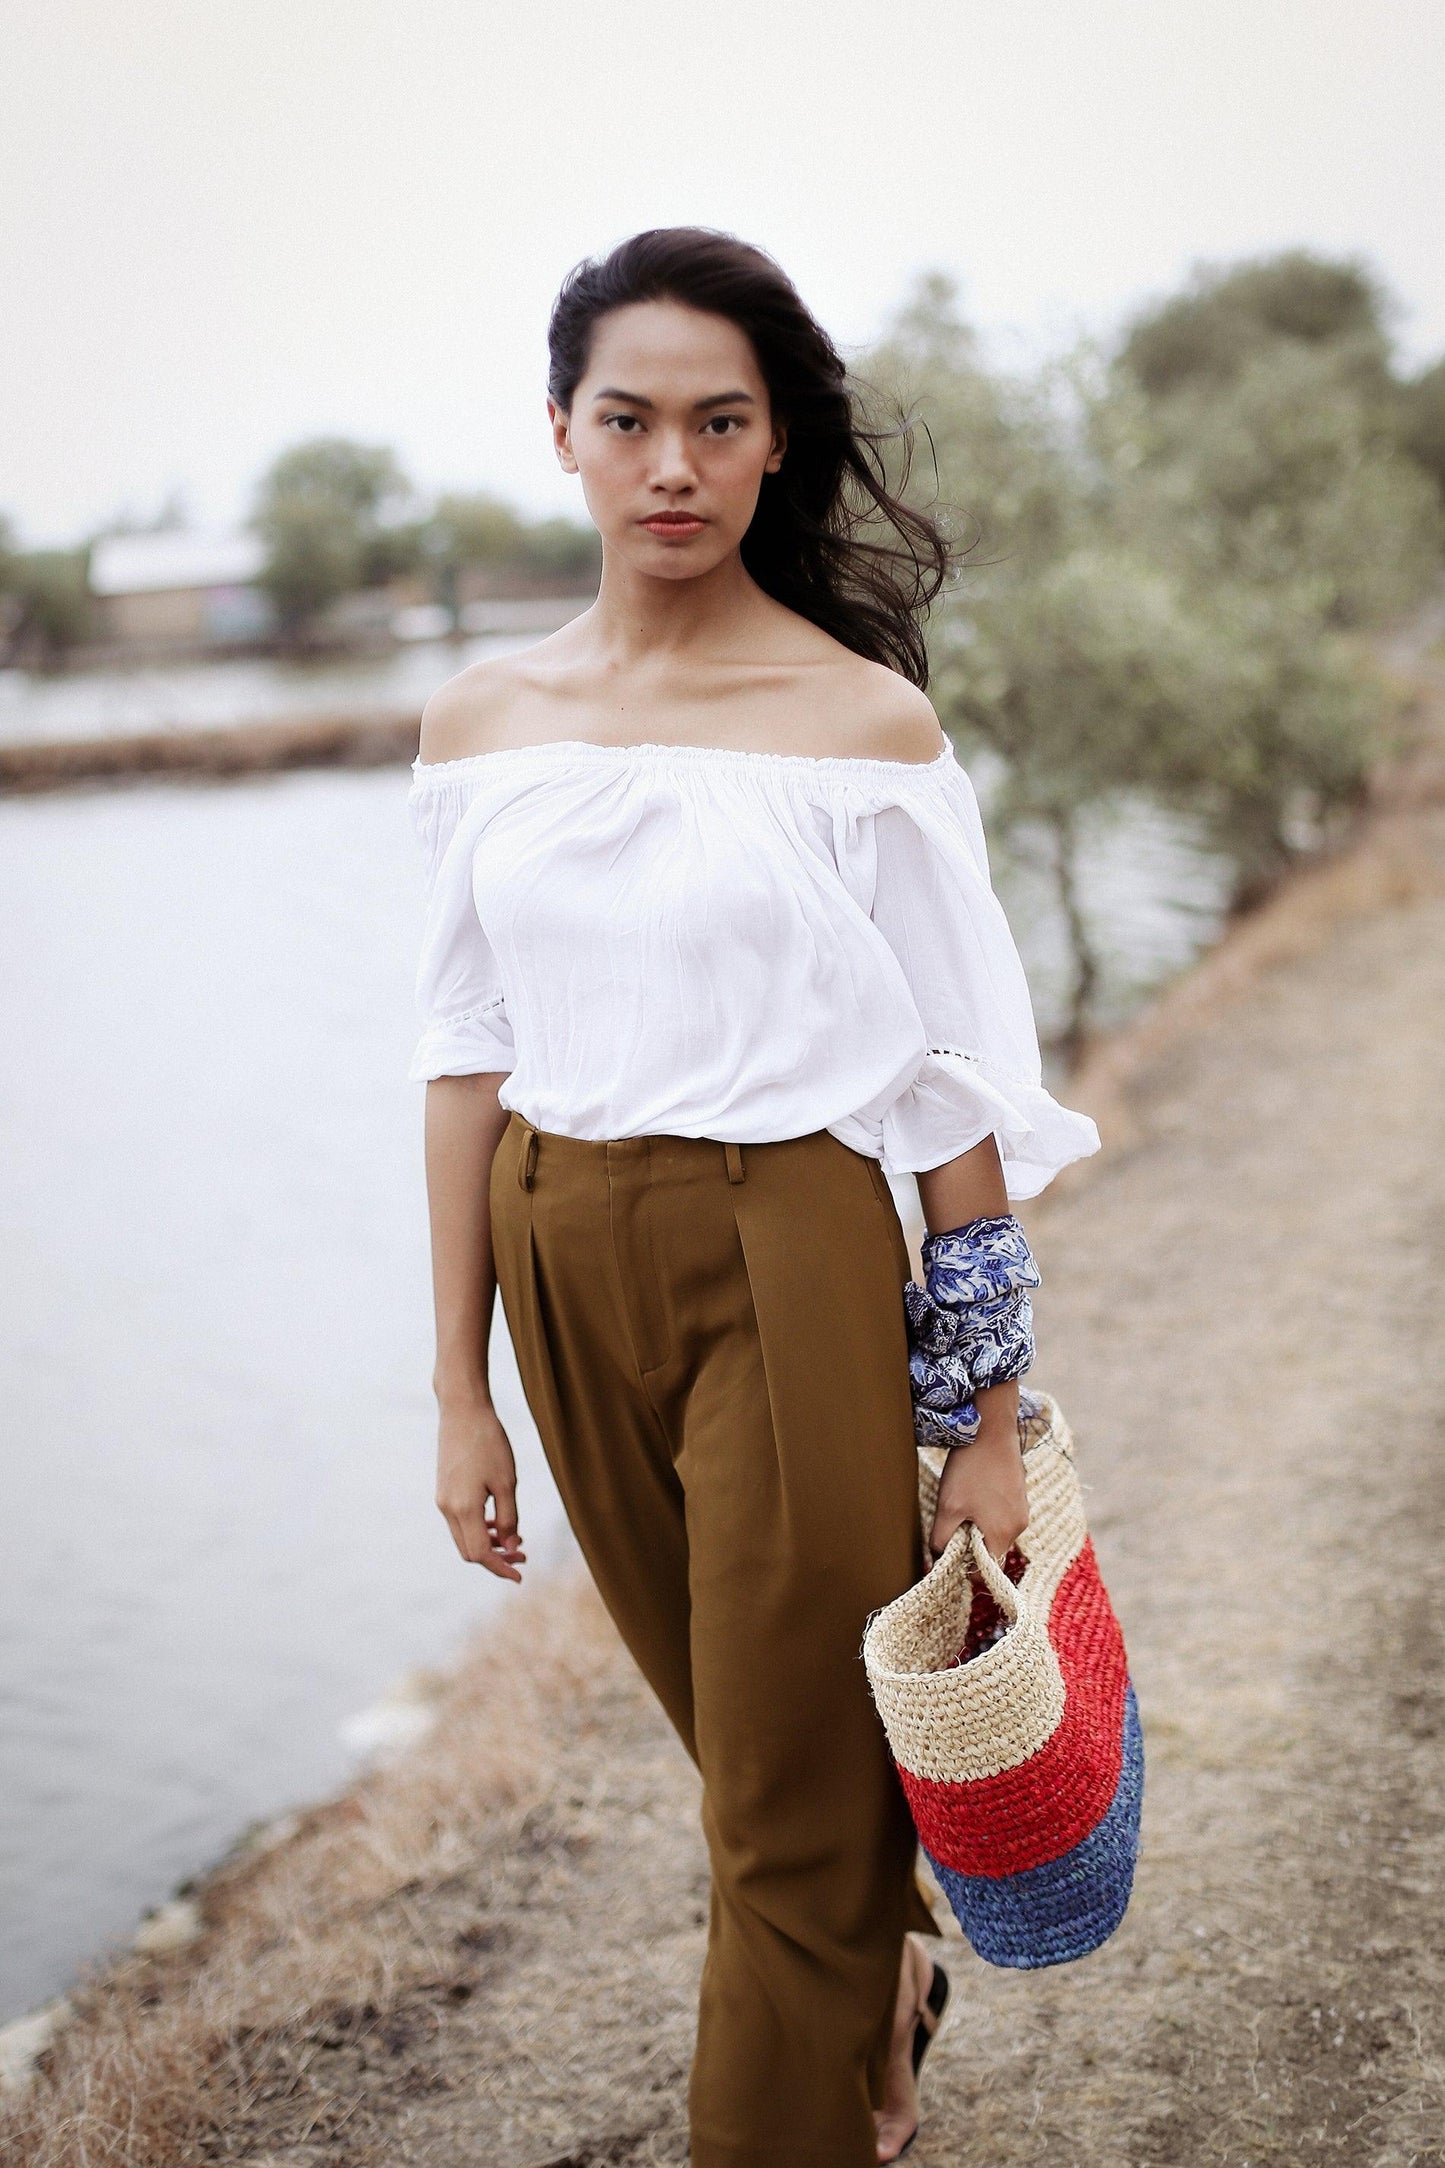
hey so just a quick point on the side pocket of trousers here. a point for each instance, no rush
(512, 1255)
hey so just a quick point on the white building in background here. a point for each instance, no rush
(180, 589)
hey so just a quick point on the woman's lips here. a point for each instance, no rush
(686, 524)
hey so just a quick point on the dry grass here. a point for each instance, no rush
(325, 1932)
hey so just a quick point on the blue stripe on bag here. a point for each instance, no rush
(1052, 1914)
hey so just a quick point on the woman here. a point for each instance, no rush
(711, 935)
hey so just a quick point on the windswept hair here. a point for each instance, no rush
(829, 539)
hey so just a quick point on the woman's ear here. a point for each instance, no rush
(562, 436)
(780, 445)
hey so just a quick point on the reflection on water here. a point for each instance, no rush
(218, 1542)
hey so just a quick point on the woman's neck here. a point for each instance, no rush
(639, 619)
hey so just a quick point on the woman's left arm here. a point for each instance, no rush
(983, 1481)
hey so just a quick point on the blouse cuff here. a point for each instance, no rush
(956, 1100)
(476, 1043)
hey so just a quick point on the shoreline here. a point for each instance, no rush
(387, 738)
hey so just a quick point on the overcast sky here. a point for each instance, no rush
(222, 229)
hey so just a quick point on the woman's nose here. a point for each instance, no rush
(674, 467)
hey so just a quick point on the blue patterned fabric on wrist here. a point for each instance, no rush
(970, 1326)
(983, 1261)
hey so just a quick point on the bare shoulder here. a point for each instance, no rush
(504, 700)
(890, 718)
(854, 708)
(469, 714)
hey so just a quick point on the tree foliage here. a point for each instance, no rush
(331, 515)
(1178, 548)
(481, 532)
(1422, 422)
(337, 516)
(1226, 317)
(45, 605)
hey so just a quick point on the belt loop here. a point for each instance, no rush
(527, 1168)
(733, 1153)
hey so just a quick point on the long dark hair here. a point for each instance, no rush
(830, 538)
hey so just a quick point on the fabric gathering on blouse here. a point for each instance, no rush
(704, 941)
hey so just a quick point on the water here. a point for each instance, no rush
(1154, 894)
(217, 1540)
(211, 695)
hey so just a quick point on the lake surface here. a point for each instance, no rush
(36, 708)
(217, 1542)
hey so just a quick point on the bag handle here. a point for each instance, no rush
(965, 1557)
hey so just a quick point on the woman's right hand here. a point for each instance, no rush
(984, 1482)
(477, 1488)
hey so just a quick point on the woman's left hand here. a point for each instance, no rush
(984, 1480)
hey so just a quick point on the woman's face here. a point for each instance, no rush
(672, 431)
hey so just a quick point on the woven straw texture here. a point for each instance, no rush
(957, 1722)
(1005, 1695)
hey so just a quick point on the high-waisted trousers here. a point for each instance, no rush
(711, 1338)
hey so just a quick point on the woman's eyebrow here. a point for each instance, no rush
(715, 399)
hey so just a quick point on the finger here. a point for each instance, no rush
(476, 1537)
(487, 1554)
(494, 1562)
(504, 1497)
(943, 1532)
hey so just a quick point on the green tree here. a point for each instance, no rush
(1422, 422)
(1280, 500)
(480, 532)
(1173, 565)
(997, 469)
(328, 512)
(1225, 316)
(45, 603)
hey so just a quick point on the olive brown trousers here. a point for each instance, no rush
(711, 1338)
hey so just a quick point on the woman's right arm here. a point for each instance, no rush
(476, 1473)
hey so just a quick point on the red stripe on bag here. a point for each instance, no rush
(1044, 1806)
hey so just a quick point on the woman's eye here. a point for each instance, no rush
(728, 422)
(633, 424)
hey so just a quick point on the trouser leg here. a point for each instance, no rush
(605, 1443)
(800, 1475)
(718, 1371)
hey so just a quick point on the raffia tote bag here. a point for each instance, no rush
(1012, 1720)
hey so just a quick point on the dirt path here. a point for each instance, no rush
(1242, 1315)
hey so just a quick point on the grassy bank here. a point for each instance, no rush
(350, 1926)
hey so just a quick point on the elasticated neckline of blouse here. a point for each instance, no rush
(655, 752)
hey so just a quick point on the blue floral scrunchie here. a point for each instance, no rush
(970, 1325)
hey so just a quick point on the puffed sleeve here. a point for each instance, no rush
(459, 994)
(933, 902)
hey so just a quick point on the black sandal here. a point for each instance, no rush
(925, 2032)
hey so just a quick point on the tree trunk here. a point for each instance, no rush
(1081, 948)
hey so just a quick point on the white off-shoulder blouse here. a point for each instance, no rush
(700, 941)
